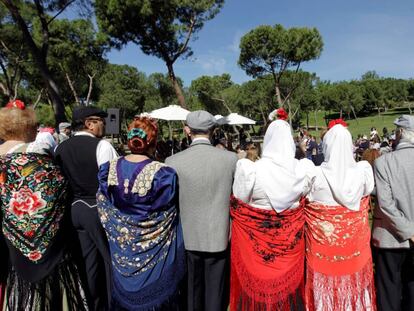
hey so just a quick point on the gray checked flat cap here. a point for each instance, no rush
(200, 120)
(405, 121)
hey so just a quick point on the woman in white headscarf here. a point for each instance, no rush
(339, 274)
(267, 249)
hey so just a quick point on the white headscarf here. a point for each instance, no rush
(283, 177)
(45, 139)
(345, 178)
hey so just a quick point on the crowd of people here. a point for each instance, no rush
(278, 226)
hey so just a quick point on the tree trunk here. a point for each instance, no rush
(40, 60)
(177, 88)
(340, 115)
(355, 116)
(307, 120)
(316, 121)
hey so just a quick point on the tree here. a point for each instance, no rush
(160, 92)
(209, 92)
(76, 58)
(45, 13)
(122, 86)
(273, 50)
(13, 56)
(160, 28)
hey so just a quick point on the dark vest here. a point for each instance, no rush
(77, 157)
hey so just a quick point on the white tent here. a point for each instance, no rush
(170, 113)
(235, 119)
(218, 117)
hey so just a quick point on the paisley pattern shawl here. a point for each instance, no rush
(32, 201)
(267, 251)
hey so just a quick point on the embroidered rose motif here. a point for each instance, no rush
(22, 160)
(25, 201)
(35, 255)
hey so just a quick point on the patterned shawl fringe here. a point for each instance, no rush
(62, 290)
(282, 294)
(2, 290)
(341, 293)
(241, 301)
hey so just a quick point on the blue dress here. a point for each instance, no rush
(137, 204)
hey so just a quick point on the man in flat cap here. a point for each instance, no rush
(65, 129)
(80, 157)
(205, 177)
(393, 228)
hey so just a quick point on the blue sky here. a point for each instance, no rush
(358, 36)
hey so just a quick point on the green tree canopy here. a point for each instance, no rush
(160, 28)
(124, 87)
(273, 50)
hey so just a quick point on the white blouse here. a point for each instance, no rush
(321, 193)
(248, 186)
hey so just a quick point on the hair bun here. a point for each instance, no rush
(137, 145)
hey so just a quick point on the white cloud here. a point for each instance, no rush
(211, 64)
(234, 46)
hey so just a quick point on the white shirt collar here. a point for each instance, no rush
(83, 133)
(201, 139)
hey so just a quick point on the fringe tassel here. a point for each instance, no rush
(253, 294)
(62, 290)
(354, 292)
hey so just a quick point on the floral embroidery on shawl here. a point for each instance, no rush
(112, 176)
(267, 251)
(339, 272)
(144, 235)
(32, 202)
(144, 179)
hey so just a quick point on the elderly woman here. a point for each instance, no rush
(41, 273)
(268, 248)
(137, 203)
(339, 273)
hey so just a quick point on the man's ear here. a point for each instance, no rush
(87, 124)
(187, 130)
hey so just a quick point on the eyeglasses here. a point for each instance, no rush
(97, 120)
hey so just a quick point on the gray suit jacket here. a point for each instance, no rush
(394, 219)
(205, 178)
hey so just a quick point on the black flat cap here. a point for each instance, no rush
(80, 113)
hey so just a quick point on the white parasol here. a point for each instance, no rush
(235, 119)
(170, 113)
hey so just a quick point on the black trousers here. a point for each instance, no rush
(208, 281)
(95, 260)
(394, 278)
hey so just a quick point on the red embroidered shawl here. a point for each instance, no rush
(339, 273)
(267, 257)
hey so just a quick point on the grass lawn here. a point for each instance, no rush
(362, 125)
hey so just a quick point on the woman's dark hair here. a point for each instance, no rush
(139, 145)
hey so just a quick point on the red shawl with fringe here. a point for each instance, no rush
(267, 257)
(339, 273)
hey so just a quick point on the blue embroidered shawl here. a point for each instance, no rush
(137, 207)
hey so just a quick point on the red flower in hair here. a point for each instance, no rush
(281, 114)
(16, 104)
(332, 123)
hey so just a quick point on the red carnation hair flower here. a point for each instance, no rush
(332, 123)
(282, 114)
(16, 104)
